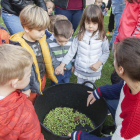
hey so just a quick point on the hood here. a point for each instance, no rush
(11, 108)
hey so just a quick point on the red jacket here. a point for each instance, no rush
(129, 22)
(18, 120)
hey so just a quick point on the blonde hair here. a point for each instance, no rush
(53, 19)
(34, 17)
(13, 60)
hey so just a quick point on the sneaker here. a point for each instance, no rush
(108, 33)
(108, 130)
(110, 48)
(111, 33)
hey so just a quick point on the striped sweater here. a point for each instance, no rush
(60, 51)
(127, 116)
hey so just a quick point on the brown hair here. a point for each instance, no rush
(92, 13)
(53, 19)
(63, 28)
(128, 56)
(13, 60)
(34, 17)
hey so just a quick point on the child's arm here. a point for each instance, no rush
(82, 135)
(96, 66)
(105, 51)
(68, 57)
(30, 129)
(72, 51)
(104, 57)
(55, 62)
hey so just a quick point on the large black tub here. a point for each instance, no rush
(73, 96)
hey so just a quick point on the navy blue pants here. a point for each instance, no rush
(74, 16)
(62, 78)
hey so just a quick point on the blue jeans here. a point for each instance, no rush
(12, 23)
(112, 106)
(117, 18)
(62, 78)
(74, 16)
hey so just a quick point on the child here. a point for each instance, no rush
(91, 46)
(129, 22)
(60, 44)
(18, 120)
(127, 115)
(50, 6)
(34, 21)
(53, 19)
(102, 5)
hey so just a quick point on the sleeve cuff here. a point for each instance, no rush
(76, 135)
(97, 94)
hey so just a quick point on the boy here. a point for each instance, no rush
(102, 5)
(53, 19)
(18, 120)
(60, 44)
(34, 21)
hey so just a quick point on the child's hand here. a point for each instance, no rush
(91, 99)
(72, 69)
(60, 69)
(27, 92)
(96, 66)
(106, 9)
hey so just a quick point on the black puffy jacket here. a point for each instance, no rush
(64, 3)
(15, 6)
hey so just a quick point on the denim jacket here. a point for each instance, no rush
(118, 6)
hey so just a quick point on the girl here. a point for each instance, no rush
(129, 22)
(127, 113)
(50, 6)
(91, 46)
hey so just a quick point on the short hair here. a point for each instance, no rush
(127, 55)
(13, 60)
(53, 19)
(63, 28)
(34, 17)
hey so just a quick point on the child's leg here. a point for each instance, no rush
(33, 96)
(59, 78)
(81, 81)
(67, 76)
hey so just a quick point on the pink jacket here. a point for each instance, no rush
(129, 22)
